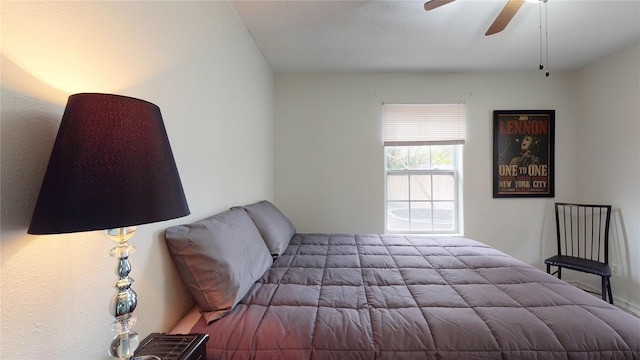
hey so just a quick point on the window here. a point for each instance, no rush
(423, 148)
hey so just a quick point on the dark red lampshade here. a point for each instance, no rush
(111, 166)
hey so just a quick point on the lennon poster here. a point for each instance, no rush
(523, 153)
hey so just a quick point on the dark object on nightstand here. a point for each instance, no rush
(174, 347)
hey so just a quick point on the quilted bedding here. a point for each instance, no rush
(337, 296)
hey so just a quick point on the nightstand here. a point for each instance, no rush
(174, 347)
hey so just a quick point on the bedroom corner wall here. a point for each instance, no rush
(329, 152)
(199, 64)
(608, 149)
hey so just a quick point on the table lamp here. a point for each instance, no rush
(111, 168)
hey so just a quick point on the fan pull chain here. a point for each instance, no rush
(546, 35)
(540, 30)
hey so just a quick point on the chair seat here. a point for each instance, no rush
(574, 263)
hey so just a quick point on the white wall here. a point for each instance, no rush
(608, 149)
(198, 63)
(329, 153)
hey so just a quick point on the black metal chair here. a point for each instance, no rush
(582, 233)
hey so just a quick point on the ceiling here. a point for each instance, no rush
(392, 36)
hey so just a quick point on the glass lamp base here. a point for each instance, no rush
(124, 301)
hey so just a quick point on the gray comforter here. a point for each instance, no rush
(413, 297)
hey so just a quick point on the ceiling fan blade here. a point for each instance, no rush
(432, 4)
(505, 16)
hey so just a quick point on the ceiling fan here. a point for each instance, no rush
(499, 23)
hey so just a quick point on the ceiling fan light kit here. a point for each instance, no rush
(503, 19)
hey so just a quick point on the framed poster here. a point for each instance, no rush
(523, 153)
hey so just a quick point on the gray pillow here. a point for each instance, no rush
(219, 259)
(276, 229)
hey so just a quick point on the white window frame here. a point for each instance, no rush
(455, 139)
(457, 191)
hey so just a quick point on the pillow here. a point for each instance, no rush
(219, 259)
(276, 229)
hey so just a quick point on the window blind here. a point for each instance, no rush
(423, 124)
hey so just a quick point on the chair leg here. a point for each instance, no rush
(609, 291)
(548, 269)
(604, 288)
(559, 272)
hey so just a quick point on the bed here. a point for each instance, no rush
(369, 296)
